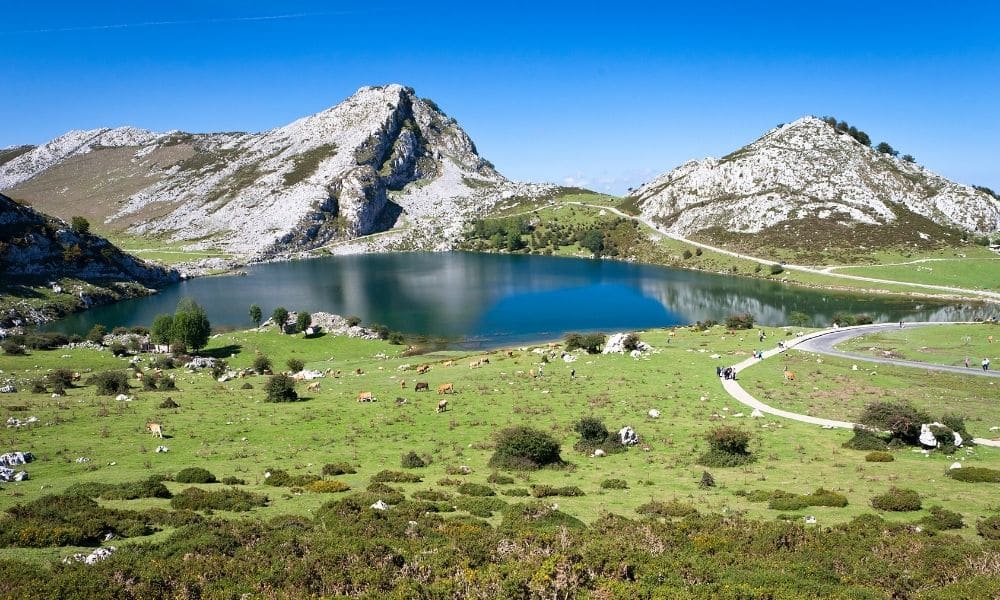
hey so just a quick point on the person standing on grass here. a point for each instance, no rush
(966, 362)
(986, 364)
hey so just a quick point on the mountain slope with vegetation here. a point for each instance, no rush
(383, 158)
(816, 186)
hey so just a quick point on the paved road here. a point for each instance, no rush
(826, 339)
(825, 345)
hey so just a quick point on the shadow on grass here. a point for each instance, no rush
(222, 351)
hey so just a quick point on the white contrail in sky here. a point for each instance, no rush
(184, 22)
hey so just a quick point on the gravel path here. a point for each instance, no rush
(823, 342)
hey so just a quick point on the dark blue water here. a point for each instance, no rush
(489, 300)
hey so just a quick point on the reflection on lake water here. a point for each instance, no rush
(490, 300)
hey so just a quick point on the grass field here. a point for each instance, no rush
(161, 251)
(232, 432)
(944, 345)
(971, 273)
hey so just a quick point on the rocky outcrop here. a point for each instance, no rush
(34, 246)
(383, 157)
(805, 172)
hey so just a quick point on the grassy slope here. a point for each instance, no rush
(940, 345)
(979, 273)
(232, 432)
(167, 253)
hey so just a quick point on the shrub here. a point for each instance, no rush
(381, 331)
(230, 480)
(231, 499)
(544, 491)
(43, 340)
(957, 424)
(97, 333)
(591, 429)
(63, 376)
(353, 320)
(168, 384)
(740, 321)
(261, 363)
(396, 477)
(591, 342)
(865, 439)
(67, 520)
(12, 348)
(777, 269)
(781, 500)
(328, 486)
(727, 448)
(476, 489)
(149, 384)
(525, 448)
(614, 484)
(901, 420)
(686, 254)
(480, 507)
(281, 388)
(194, 475)
(219, 369)
(146, 488)
(38, 387)
(396, 338)
(897, 500)
(941, 519)
(282, 478)
(385, 492)
(246, 386)
(707, 480)
(432, 496)
(499, 479)
(447, 481)
(673, 508)
(169, 403)
(302, 322)
(117, 349)
(975, 475)
(411, 460)
(80, 225)
(295, 365)
(879, 456)
(989, 527)
(109, 383)
(340, 468)
(517, 492)
(163, 362)
(58, 389)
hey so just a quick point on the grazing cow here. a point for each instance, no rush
(448, 363)
(422, 386)
(989, 339)
(423, 369)
(358, 372)
(479, 362)
(156, 429)
(789, 375)
(365, 397)
(532, 373)
(446, 388)
(313, 387)
(442, 406)
(336, 373)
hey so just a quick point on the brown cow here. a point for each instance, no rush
(156, 429)
(789, 375)
(442, 406)
(365, 397)
(446, 388)
(313, 387)
(423, 369)
(422, 386)
(448, 363)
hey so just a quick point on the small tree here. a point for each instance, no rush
(191, 326)
(353, 321)
(281, 388)
(909, 158)
(396, 338)
(280, 317)
(109, 383)
(295, 365)
(80, 225)
(799, 319)
(97, 333)
(303, 321)
(591, 429)
(162, 330)
(885, 148)
(261, 363)
(256, 316)
(631, 342)
(740, 321)
(380, 330)
(727, 448)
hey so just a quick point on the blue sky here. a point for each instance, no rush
(601, 94)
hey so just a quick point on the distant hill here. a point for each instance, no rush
(808, 185)
(382, 158)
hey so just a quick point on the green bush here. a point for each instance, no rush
(544, 491)
(60, 376)
(781, 500)
(739, 321)
(295, 365)
(109, 383)
(261, 363)
(145, 488)
(194, 475)
(525, 448)
(67, 520)
(940, 519)
(230, 480)
(282, 478)
(339, 468)
(591, 342)
(476, 489)
(412, 460)
(96, 334)
(281, 388)
(396, 477)
(727, 448)
(385, 492)
(38, 387)
(957, 424)
(517, 492)
(975, 475)
(328, 486)
(897, 500)
(777, 269)
(901, 420)
(230, 499)
(989, 527)
(865, 439)
(480, 506)
(12, 348)
(592, 430)
(879, 456)
(500, 479)
(673, 508)
(614, 484)
(396, 338)
(432, 496)
(707, 480)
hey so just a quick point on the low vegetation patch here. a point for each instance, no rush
(545, 491)
(412, 460)
(194, 475)
(282, 478)
(109, 383)
(897, 500)
(483, 507)
(879, 456)
(396, 477)
(975, 475)
(941, 519)
(727, 448)
(866, 439)
(525, 448)
(614, 484)
(338, 468)
(500, 479)
(146, 488)
(782, 500)
(67, 520)
(230, 499)
(989, 527)
(672, 508)
(476, 489)
(328, 486)
(595, 436)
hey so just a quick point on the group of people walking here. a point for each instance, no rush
(985, 364)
